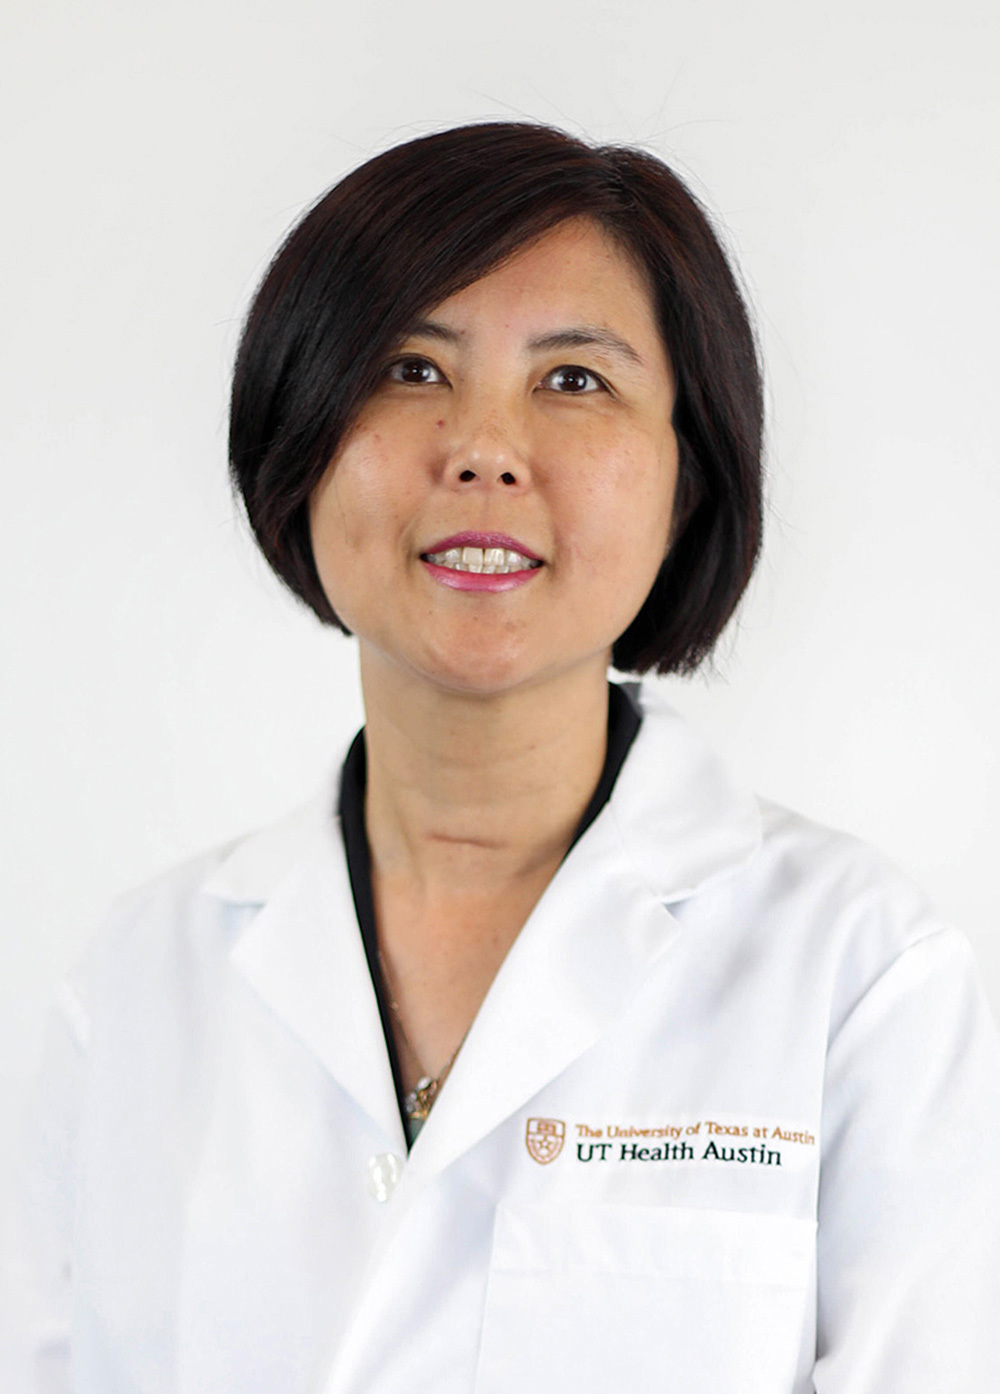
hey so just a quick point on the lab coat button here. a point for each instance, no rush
(383, 1173)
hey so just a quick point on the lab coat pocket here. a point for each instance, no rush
(597, 1297)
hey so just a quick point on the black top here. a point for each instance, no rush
(623, 723)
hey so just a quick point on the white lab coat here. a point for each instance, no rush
(765, 1068)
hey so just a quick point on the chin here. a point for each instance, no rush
(495, 676)
(476, 659)
(491, 681)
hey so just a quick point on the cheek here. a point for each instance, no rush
(624, 506)
(337, 530)
(330, 529)
(357, 504)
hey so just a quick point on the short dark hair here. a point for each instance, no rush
(421, 221)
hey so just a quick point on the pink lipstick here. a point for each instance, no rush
(482, 539)
(481, 561)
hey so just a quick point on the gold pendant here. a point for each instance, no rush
(418, 1104)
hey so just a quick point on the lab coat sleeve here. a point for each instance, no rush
(36, 1298)
(909, 1203)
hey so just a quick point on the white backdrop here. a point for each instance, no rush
(162, 694)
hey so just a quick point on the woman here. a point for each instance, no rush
(537, 1054)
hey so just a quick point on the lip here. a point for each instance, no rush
(480, 580)
(480, 539)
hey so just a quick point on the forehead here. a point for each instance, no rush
(574, 272)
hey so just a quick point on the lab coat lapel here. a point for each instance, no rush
(675, 822)
(302, 953)
(583, 954)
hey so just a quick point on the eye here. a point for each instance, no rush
(571, 380)
(414, 372)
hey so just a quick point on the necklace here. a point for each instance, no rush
(419, 1101)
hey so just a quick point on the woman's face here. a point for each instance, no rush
(529, 414)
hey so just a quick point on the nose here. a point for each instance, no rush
(486, 452)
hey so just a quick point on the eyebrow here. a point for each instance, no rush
(579, 336)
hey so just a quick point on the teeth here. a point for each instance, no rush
(490, 561)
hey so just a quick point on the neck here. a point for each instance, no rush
(473, 790)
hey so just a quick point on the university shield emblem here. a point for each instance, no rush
(544, 1138)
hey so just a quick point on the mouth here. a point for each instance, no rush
(485, 561)
(486, 554)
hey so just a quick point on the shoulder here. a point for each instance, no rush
(851, 914)
(701, 835)
(761, 880)
(802, 855)
(843, 878)
(168, 937)
(676, 790)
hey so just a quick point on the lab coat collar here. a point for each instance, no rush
(675, 823)
(683, 820)
(302, 953)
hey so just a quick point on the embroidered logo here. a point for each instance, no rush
(544, 1138)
